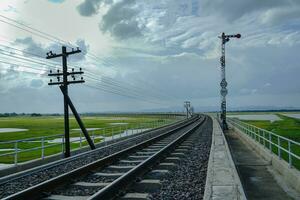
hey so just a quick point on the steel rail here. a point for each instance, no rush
(125, 181)
(6, 179)
(37, 191)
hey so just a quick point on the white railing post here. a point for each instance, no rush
(104, 136)
(267, 142)
(16, 153)
(290, 156)
(80, 140)
(43, 147)
(279, 147)
(264, 135)
(112, 133)
(270, 142)
(93, 133)
(62, 144)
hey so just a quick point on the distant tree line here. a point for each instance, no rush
(13, 114)
(277, 110)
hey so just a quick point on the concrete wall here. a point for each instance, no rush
(222, 181)
(290, 176)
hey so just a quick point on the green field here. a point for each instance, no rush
(287, 127)
(54, 125)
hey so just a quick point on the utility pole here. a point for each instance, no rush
(187, 105)
(67, 101)
(223, 84)
(191, 110)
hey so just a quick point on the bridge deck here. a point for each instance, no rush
(254, 172)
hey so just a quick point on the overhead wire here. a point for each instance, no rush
(53, 39)
(56, 39)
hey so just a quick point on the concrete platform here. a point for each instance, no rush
(257, 180)
(222, 181)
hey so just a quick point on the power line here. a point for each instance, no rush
(23, 66)
(26, 59)
(108, 82)
(118, 93)
(54, 39)
(124, 92)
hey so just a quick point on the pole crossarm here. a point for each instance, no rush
(51, 55)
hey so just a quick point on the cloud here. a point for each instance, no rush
(56, 1)
(38, 49)
(89, 7)
(36, 83)
(31, 46)
(281, 14)
(121, 20)
(233, 10)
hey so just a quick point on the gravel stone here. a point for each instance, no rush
(187, 180)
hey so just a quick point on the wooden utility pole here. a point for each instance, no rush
(67, 101)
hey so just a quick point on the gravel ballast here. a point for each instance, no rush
(187, 180)
(27, 181)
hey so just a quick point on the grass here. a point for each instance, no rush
(287, 127)
(54, 125)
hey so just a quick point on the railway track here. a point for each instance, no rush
(14, 183)
(110, 177)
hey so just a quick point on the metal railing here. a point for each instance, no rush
(48, 145)
(284, 148)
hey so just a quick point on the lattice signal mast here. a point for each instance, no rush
(224, 38)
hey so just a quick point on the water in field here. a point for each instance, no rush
(106, 138)
(297, 116)
(4, 166)
(8, 130)
(265, 117)
(118, 123)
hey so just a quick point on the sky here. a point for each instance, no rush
(150, 55)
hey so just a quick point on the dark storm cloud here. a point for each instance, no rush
(39, 50)
(91, 7)
(120, 20)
